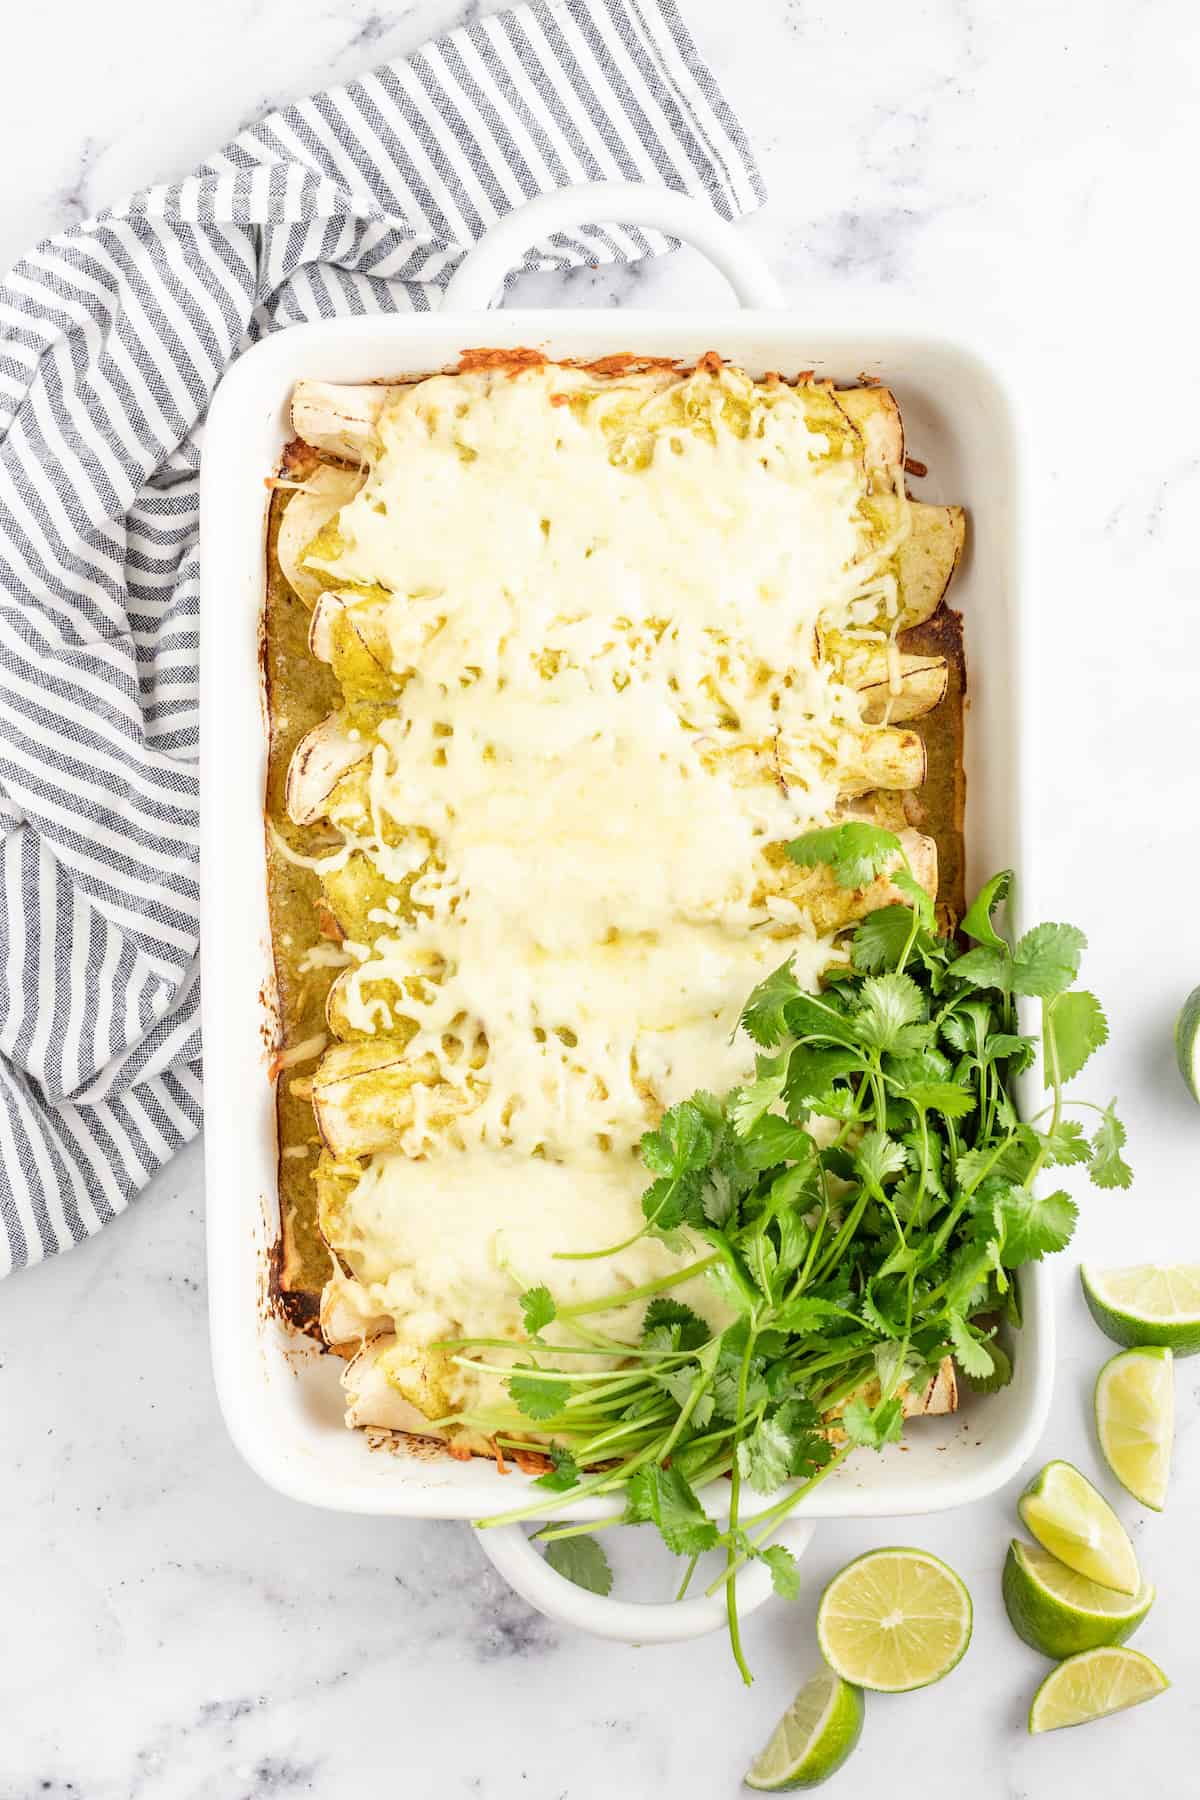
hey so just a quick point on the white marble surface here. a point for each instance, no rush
(173, 1630)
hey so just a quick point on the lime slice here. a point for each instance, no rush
(1070, 1519)
(1187, 1042)
(814, 1737)
(1060, 1612)
(1093, 1684)
(1135, 1420)
(894, 1620)
(1152, 1303)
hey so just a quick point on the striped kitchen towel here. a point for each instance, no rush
(113, 337)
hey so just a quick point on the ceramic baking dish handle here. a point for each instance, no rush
(477, 280)
(514, 1555)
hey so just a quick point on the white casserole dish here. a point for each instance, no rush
(280, 1397)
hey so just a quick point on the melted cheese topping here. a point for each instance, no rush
(601, 603)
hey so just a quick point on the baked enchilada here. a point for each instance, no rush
(560, 660)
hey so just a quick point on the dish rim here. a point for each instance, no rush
(249, 411)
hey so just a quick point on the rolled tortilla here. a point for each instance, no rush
(359, 1005)
(875, 415)
(874, 758)
(347, 1316)
(907, 689)
(366, 1095)
(395, 1387)
(338, 418)
(319, 761)
(927, 559)
(938, 1396)
(323, 495)
(355, 891)
(341, 419)
(831, 908)
(351, 635)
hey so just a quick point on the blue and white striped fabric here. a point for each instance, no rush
(113, 337)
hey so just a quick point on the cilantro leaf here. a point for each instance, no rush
(877, 1319)
(794, 1239)
(784, 1443)
(871, 1427)
(749, 1103)
(1018, 1052)
(940, 1097)
(820, 1016)
(785, 1570)
(880, 938)
(665, 1497)
(966, 1029)
(811, 1073)
(671, 1201)
(669, 1320)
(773, 1141)
(1108, 1168)
(919, 898)
(804, 1317)
(878, 1157)
(977, 922)
(736, 1293)
(1046, 960)
(855, 853)
(538, 1399)
(763, 1014)
(717, 1197)
(890, 1014)
(1033, 1225)
(685, 1138)
(563, 1473)
(987, 966)
(537, 1308)
(762, 1457)
(970, 1266)
(1076, 1026)
(999, 1375)
(972, 1356)
(1066, 1144)
(581, 1560)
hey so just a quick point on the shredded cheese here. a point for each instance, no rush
(603, 603)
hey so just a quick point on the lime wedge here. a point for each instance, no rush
(894, 1620)
(814, 1737)
(1152, 1303)
(1093, 1684)
(1070, 1519)
(1187, 1042)
(1060, 1612)
(1135, 1420)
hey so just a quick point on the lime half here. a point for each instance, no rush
(1060, 1612)
(894, 1620)
(814, 1737)
(1070, 1519)
(1151, 1303)
(1092, 1685)
(1187, 1042)
(1135, 1420)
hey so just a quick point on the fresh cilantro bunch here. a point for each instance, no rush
(862, 1204)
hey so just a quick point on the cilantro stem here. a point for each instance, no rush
(582, 1308)
(1050, 1053)
(686, 1583)
(602, 1349)
(773, 1516)
(735, 1490)
(550, 1534)
(850, 1225)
